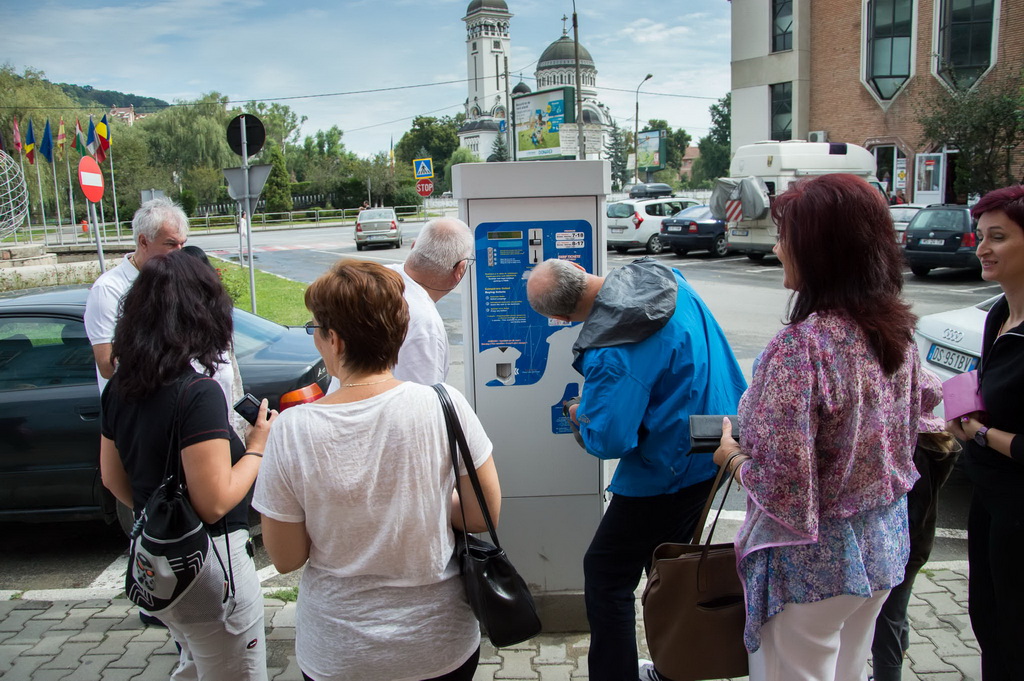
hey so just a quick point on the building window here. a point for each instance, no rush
(889, 37)
(782, 25)
(782, 111)
(496, 45)
(965, 40)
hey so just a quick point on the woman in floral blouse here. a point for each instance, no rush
(829, 426)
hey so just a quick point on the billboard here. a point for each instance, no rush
(651, 151)
(539, 117)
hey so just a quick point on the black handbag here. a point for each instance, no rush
(172, 553)
(497, 594)
(694, 611)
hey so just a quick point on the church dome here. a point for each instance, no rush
(477, 5)
(563, 52)
(521, 89)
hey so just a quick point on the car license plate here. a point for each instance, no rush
(378, 237)
(617, 230)
(673, 228)
(739, 232)
(933, 242)
(951, 359)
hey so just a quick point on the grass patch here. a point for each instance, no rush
(290, 594)
(277, 299)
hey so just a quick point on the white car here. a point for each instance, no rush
(636, 223)
(950, 342)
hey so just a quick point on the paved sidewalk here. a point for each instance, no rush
(102, 640)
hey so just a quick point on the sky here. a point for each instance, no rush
(380, 63)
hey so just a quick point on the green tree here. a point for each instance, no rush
(617, 152)
(282, 124)
(277, 191)
(499, 150)
(437, 137)
(191, 134)
(715, 147)
(986, 124)
(460, 155)
(676, 142)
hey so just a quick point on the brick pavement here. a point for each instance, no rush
(101, 639)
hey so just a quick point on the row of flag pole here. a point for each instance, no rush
(95, 143)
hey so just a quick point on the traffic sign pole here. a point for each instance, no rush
(90, 179)
(248, 215)
(96, 232)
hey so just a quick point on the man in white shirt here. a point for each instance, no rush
(440, 258)
(159, 226)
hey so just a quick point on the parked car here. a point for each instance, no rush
(649, 190)
(902, 214)
(695, 229)
(941, 235)
(50, 405)
(378, 226)
(950, 342)
(636, 223)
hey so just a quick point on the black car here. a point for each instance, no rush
(941, 235)
(695, 229)
(50, 404)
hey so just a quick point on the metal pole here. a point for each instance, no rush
(56, 203)
(113, 184)
(96, 231)
(248, 212)
(508, 113)
(636, 132)
(28, 206)
(581, 140)
(71, 193)
(42, 209)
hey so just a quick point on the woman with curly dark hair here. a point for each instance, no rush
(177, 313)
(829, 426)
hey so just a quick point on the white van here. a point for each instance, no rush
(778, 164)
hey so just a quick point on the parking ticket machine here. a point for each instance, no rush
(518, 364)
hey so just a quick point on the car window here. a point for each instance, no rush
(619, 210)
(938, 219)
(673, 208)
(655, 209)
(38, 352)
(253, 332)
(376, 215)
(903, 214)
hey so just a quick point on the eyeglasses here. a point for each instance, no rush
(310, 327)
(469, 261)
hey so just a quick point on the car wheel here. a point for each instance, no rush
(125, 518)
(920, 270)
(654, 245)
(756, 257)
(622, 250)
(680, 251)
(360, 247)
(720, 247)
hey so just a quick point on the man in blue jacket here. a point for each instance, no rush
(651, 354)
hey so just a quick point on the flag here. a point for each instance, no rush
(80, 139)
(102, 140)
(91, 143)
(46, 143)
(30, 144)
(17, 136)
(61, 138)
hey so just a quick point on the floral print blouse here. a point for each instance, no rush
(831, 440)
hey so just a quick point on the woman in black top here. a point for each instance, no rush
(994, 457)
(175, 313)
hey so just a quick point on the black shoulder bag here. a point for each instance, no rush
(499, 597)
(172, 553)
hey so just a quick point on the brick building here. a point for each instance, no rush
(861, 71)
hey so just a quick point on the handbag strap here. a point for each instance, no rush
(698, 530)
(174, 442)
(457, 444)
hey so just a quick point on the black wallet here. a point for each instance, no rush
(706, 432)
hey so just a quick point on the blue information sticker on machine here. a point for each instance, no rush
(505, 253)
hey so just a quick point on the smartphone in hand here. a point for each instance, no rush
(248, 408)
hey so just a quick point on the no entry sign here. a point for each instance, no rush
(90, 179)
(425, 187)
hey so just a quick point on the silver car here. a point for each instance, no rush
(902, 214)
(378, 226)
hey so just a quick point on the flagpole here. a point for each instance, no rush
(113, 185)
(71, 194)
(56, 201)
(28, 213)
(42, 208)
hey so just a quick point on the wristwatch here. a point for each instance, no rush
(981, 437)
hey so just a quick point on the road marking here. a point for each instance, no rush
(761, 270)
(113, 575)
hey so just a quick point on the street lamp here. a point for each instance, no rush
(636, 131)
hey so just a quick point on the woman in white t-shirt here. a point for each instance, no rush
(360, 484)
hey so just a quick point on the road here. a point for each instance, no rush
(746, 297)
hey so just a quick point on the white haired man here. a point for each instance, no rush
(159, 226)
(439, 259)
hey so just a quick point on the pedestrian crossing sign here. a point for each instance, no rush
(423, 168)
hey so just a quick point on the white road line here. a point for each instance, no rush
(762, 270)
(266, 573)
(113, 575)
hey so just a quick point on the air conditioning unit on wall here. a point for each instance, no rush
(817, 136)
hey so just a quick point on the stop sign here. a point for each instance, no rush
(425, 187)
(90, 179)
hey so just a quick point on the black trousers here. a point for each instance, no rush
(630, 530)
(892, 631)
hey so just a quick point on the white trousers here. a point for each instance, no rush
(824, 641)
(235, 648)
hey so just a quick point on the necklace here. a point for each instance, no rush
(353, 385)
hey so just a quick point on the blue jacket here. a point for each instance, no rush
(651, 354)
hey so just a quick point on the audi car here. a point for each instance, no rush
(50, 404)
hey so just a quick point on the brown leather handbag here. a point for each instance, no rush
(694, 611)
